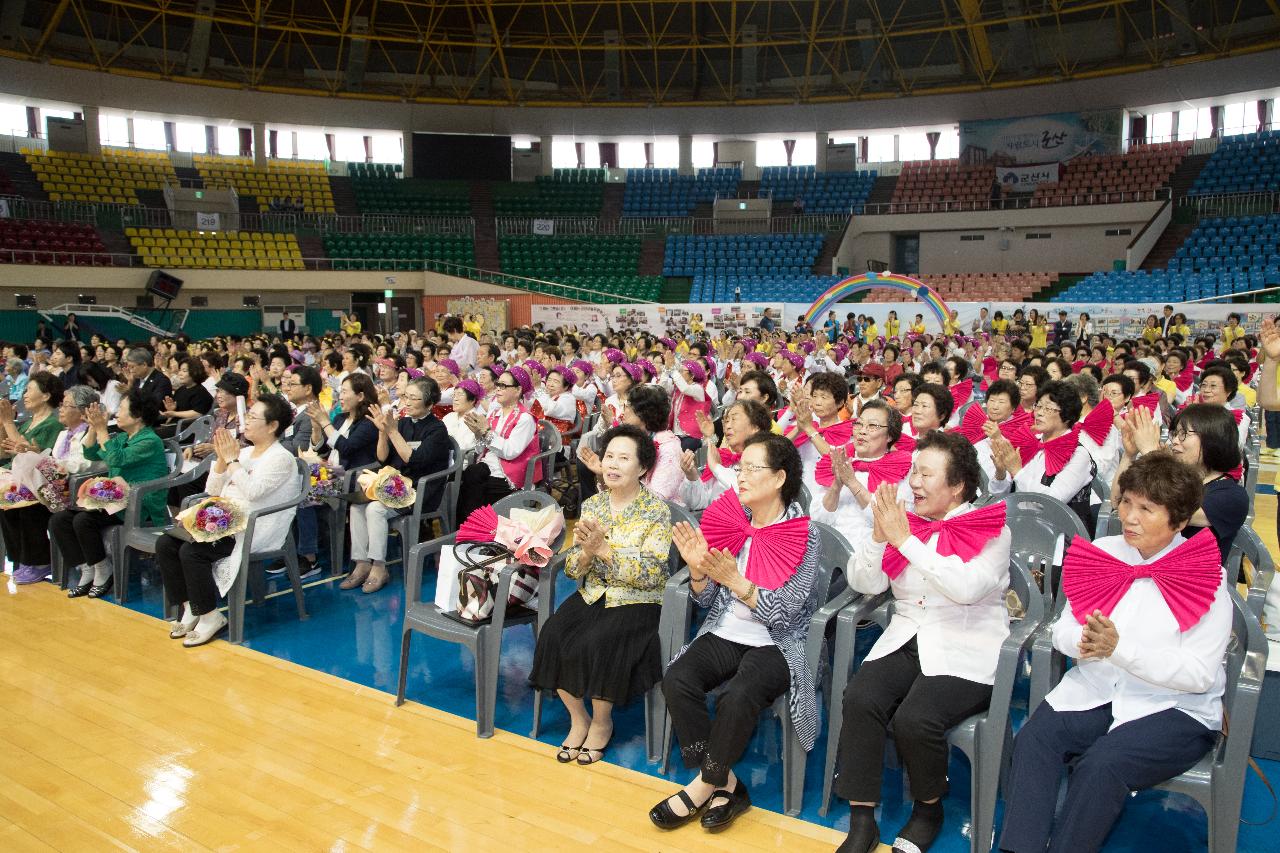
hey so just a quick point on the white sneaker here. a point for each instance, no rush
(205, 631)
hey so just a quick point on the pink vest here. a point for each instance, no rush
(515, 468)
(687, 409)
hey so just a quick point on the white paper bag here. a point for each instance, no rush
(447, 581)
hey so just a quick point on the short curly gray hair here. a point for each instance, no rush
(82, 396)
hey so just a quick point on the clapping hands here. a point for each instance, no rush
(1099, 638)
(1139, 432)
(589, 536)
(889, 517)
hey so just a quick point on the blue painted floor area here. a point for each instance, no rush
(357, 637)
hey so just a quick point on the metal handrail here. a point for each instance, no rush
(1022, 201)
(1233, 204)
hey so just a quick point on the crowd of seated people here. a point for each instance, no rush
(903, 445)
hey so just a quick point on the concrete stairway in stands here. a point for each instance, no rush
(486, 236)
(830, 245)
(882, 190)
(1186, 173)
(116, 242)
(652, 253)
(24, 180)
(1174, 236)
(344, 197)
(611, 208)
(312, 248)
(189, 176)
(152, 198)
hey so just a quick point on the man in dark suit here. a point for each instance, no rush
(151, 382)
(1166, 321)
(1062, 329)
(288, 328)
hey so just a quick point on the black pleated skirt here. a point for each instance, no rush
(598, 652)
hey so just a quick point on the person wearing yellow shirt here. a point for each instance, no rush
(1151, 332)
(1232, 331)
(999, 324)
(351, 324)
(1039, 330)
(952, 326)
(1180, 327)
(917, 325)
(892, 325)
(871, 332)
(473, 324)
(695, 324)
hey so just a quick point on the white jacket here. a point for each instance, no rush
(955, 609)
(269, 479)
(1155, 666)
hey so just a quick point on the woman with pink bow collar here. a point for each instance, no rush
(947, 565)
(509, 439)
(602, 643)
(689, 399)
(1144, 701)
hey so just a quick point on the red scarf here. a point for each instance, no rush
(1058, 451)
(963, 536)
(1150, 402)
(776, 550)
(836, 435)
(890, 468)
(1016, 428)
(1188, 577)
(1184, 379)
(1099, 422)
(960, 393)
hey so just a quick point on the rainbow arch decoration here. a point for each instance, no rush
(911, 287)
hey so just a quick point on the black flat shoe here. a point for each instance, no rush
(100, 590)
(719, 817)
(79, 591)
(664, 818)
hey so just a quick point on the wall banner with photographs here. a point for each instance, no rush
(653, 319)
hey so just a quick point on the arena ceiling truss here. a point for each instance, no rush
(573, 52)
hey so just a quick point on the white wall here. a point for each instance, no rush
(1078, 242)
(1193, 80)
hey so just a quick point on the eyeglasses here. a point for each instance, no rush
(1050, 410)
(1181, 434)
(417, 397)
(506, 385)
(754, 469)
(867, 427)
(254, 416)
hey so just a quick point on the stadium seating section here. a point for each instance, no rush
(592, 254)
(39, 242)
(823, 192)
(412, 197)
(999, 286)
(112, 178)
(589, 288)
(1242, 164)
(760, 266)
(307, 180)
(924, 182)
(663, 192)
(1221, 257)
(567, 192)
(245, 250)
(398, 251)
(1143, 168)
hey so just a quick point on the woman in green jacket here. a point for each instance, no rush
(135, 454)
(25, 529)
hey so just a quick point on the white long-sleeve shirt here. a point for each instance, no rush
(1106, 457)
(257, 482)
(564, 407)
(1073, 477)
(465, 352)
(954, 608)
(459, 431)
(1155, 666)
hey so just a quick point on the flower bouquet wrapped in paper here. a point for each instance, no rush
(326, 480)
(213, 518)
(14, 495)
(388, 487)
(49, 481)
(109, 494)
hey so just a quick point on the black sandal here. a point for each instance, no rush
(563, 755)
(586, 750)
(664, 818)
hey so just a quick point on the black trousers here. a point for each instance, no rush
(26, 534)
(77, 534)
(1105, 767)
(478, 489)
(187, 570)
(753, 676)
(922, 709)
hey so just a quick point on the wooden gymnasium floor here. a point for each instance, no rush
(115, 737)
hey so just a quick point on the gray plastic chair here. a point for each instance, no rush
(335, 510)
(1216, 782)
(986, 738)
(133, 537)
(57, 566)
(251, 562)
(1251, 485)
(484, 639)
(1249, 546)
(835, 552)
(407, 526)
(549, 447)
(1040, 524)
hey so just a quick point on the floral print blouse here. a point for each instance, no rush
(640, 539)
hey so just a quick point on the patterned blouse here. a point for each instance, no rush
(640, 539)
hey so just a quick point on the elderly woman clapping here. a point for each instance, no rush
(1144, 701)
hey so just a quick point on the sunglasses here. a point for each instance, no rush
(506, 385)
